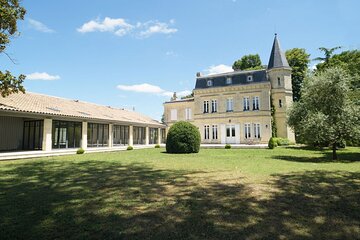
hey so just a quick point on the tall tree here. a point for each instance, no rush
(298, 60)
(10, 13)
(328, 52)
(248, 62)
(350, 62)
(324, 113)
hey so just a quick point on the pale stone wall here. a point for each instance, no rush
(47, 135)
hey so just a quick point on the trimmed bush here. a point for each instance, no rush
(157, 146)
(80, 151)
(129, 148)
(227, 146)
(272, 143)
(282, 141)
(183, 137)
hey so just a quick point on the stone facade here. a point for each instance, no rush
(235, 107)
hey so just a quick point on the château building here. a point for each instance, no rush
(235, 107)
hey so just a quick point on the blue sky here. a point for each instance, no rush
(134, 53)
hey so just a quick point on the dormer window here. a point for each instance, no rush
(249, 78)
(209, 83)
(228, 80)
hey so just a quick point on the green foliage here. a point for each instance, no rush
(282, 141)
(191, 95)
(129, 148)
(248, 62)
(298, 60)
(183, 137)
(10, 12)
(325, 114)
(350, 62)
(157, 146)
(328, 52)
(273, 122)
(227, 146)
(272, 143)
(80, 151)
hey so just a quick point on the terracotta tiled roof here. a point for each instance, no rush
(55, 106)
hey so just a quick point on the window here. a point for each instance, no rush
(229, 105)
(163, 135)
(228, 80)
(209, 83)
(120, 135)
(247, 130)
(255, 103)
(206, 132)
(279, 81)
(98, 135)
(213, 106)
(139, 135)
(230, 131)
(66, 134)
(33, 135)
(187, 113)
(173, 115)
(257, 130)
(153, 135)
(214, 132)
(249, 78)
(246, 104)
(280, 103)
(206, 106)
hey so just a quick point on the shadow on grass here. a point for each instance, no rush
(110, 200)
(324, 157)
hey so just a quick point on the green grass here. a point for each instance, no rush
(285, 193)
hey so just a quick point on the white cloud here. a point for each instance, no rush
(39, 26)
(121, 27)
(42, 76)
(153, 27)
(171, 53)
(151, 89)
(216, 69)
(118, 26)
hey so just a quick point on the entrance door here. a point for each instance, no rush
(230, 134)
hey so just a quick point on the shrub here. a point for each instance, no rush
(80, 151)
(272, 143)
(227, 146)
(183, 137)
(129, 148)
(282, 141)
(157, 146)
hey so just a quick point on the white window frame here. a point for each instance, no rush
(256, 103)
(228, 80)
(257, 130)
(246, 102)
(206, 106)
(206, 132)
(209, 83)
(173, 114)
(249, 78)
(229, 105)
(214, 106)
(214, 132)
(187, 113)
(247, 130)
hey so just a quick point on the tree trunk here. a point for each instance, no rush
(334, 155)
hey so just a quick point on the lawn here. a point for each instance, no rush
(286, 193)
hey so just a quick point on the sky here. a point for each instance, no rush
(135, 53)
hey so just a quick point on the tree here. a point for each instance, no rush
(191, 95)
(298, 60)
(328, 52)
(248, 62)
(10, 12)
(325, 114)
(350, 62)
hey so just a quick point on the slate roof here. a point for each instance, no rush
(55, 106)
(277, 57)
(237, 78)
